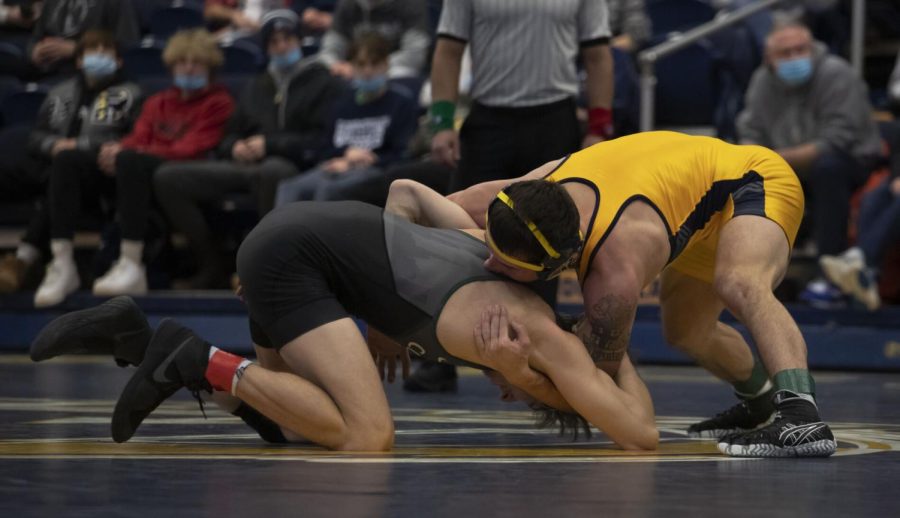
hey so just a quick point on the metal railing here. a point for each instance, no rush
(647, 59)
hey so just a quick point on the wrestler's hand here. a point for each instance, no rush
(386, 354)
(508, 355)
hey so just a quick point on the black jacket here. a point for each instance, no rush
(294, 123)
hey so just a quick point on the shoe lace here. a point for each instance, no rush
(740, 408)
(195, 389)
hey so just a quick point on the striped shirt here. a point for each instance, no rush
(523, 51)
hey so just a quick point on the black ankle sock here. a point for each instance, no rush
(796, 407)
(265, 427)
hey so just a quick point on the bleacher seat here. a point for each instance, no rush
(236, 83)
(22, 107)
(144, 60)
(153, 84)
(241, 57)
(626, 94)
(167, 21)
(686, 93)
(8, 85)
(11, 49)
(678, 15)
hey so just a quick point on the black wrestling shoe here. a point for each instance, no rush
(742, 417)
(796, 431)
(117, 327)
(176, 357)
(432, 377)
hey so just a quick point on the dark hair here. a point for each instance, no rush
(568, 422)
(371, 45)
(547, 205)
(96, 38)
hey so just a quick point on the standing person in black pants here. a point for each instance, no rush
(524, 85)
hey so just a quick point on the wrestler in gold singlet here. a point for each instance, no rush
(696, 184)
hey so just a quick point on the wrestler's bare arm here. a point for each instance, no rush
(610, 304)
(475, 199)
(632, 256)
(425, 206)
(623, 411)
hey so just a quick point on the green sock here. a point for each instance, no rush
(795, 380)
(756, 385)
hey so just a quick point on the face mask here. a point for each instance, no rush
(794, 72)
(369, 85)
(287, 59)
(190, 83)
(98, 66)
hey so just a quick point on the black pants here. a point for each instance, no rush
(134, 191)
(498, 143)
(831, 181)
(75, 181)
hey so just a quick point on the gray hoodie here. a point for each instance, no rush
(832, 110)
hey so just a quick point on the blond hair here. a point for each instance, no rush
(197, 44)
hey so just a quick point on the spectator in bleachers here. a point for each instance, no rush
(62, 22)
(316, 14)
(182, 123)
(371, 129)
(278, 130)
(104, 106)
(232, 19)
(813, 109)
(856, 270)
(629, 24)
(404, 23)
(16, 21)
(77, 117)
(18, 15)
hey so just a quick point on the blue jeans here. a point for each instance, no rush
(879, 223)
(320, 185)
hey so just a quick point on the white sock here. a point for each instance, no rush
(62, 250)
(765, 388)
(27, 253)
(132, 250)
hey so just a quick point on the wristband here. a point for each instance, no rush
(600, 122)
(442, 113)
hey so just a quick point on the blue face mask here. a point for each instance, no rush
(190, 83)
(369, 85)
(98, 66)
(794, 72)
(287, 59)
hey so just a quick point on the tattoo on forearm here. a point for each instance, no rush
(610, 319)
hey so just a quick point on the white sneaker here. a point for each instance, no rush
(849, 272)
(126, 277)
(59, 282)
(842, 270)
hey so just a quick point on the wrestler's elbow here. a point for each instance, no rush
(644, 438)
(402, 199)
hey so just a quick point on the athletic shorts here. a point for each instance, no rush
(778, 197)
(311, 263)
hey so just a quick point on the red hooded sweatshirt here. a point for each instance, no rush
(177, 129)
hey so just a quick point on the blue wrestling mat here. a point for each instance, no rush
(457, 454)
